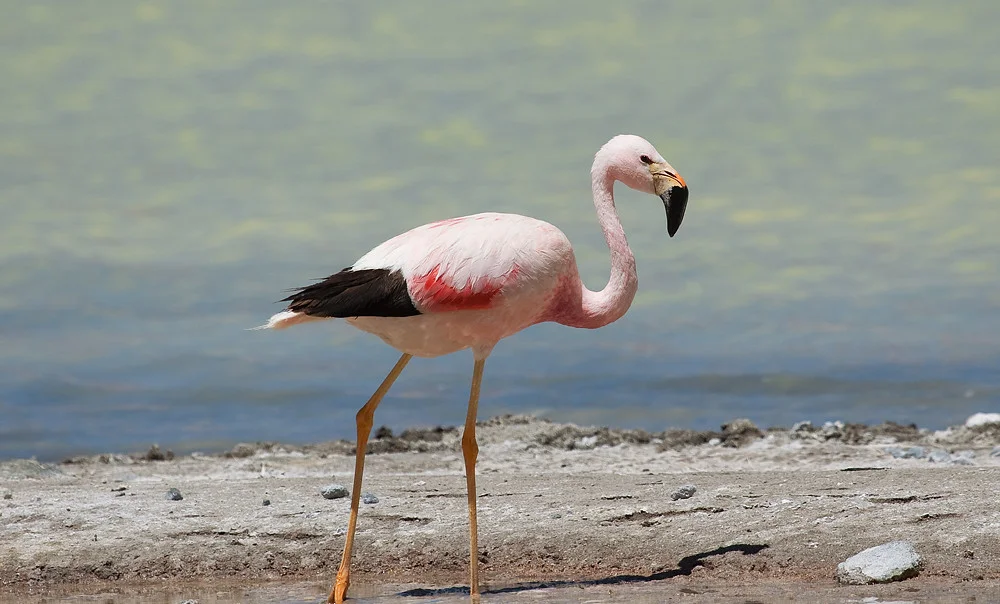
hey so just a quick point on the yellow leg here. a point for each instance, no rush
(364, 419)
(470, 451)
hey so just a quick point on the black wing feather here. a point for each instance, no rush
(379, 292)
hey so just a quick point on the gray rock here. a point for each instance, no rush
(369, 498)
(334, 491)
(174, 494)
(994, 453)
(884, 563)
(832, 430)
(939, 456)
(266, 502)
(8, 495)
(965, 454)
(962, 461)
(896, 452)
(685, 492)
(906, 452)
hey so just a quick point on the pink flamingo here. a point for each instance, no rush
(469, 282)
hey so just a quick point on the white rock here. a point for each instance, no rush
(893, 561)
(982, 419)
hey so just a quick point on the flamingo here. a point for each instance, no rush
(468, 282)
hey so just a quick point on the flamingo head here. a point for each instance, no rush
(636, 163)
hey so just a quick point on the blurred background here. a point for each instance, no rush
(167, 170)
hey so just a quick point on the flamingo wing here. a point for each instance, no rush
(463, 263)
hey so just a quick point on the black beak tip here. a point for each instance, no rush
(675, 202)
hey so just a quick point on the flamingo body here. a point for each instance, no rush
(472, 281)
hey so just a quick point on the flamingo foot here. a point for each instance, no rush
(339, 592)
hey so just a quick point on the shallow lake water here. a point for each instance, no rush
(168, 171)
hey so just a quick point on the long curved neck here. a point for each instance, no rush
(598, 309)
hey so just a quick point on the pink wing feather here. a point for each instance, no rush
(463, 263)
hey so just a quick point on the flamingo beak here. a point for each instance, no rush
(674, 192)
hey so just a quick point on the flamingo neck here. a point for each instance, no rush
(598, 309)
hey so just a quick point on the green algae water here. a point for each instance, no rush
(168, 170)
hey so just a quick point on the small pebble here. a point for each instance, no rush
(334, 491)
(939, 456)
(174, 495)
(11, 495)
(266, 502)
(369, 498)
(685, 492)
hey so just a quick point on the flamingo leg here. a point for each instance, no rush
(365, 418)
(470, 451)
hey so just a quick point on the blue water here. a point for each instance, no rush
(167, 172)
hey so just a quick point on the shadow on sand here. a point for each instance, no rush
(684, 567)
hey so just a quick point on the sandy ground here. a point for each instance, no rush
(566, 514)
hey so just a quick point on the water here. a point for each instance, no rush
(168, 170)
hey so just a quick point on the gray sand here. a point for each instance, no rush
(587, 511)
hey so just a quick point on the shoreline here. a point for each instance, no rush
(557, 503)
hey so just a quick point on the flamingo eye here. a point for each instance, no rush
(645, 159)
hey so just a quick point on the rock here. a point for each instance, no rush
(174, 495)
(334, 491)
(685, 492)
(241, 450)
(906, 452)
(714, 442)
(740, 432)
(266, 502)
(155, 454)
(994, 453)
(939, 456)
(369, 498)
(982, 419)
(884, 563)
(8, 495)
(896, 452)
(963, 458)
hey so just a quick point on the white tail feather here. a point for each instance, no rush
(286, 318)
